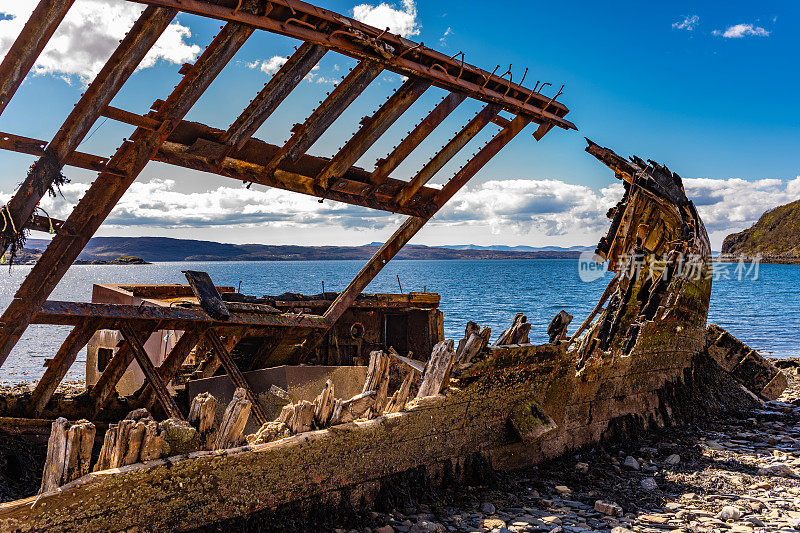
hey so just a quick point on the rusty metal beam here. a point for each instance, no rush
(361, 41)
(372, 128)
(34, 36)
(27, 145)
(236, 375)
(58, 367)
(490, 149)
(172, 363)
(306, 134)
(123, 61)
(415, 137)
(106, 190)
(101, 391)
(274, 92)
(151, 375)
(467, 133)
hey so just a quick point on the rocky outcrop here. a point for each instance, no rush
(776, 236)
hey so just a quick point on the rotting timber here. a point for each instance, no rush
(203, 404)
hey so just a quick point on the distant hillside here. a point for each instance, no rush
(506, 248)
(166, 249)
(776, 235)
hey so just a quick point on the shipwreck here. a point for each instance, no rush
(203, 404)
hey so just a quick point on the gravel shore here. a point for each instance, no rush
(737, 475)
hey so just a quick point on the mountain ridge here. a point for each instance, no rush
(776, 236)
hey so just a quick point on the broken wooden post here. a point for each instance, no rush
(470, 347)
(517, 333)
(69, 451)
(233, 421)
(323, 406)
(557, 330)
(378, 378)
(202, 415)
(437, 372)
(401, 396)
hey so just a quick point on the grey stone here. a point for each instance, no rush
(649, 484)
(488, 508)
(631, 463)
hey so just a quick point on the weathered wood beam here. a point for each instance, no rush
(28, 145)
(467, 133)
(150, 373)
(305, 135)
(123, 61)
(235, 374)
(58, 367)
(372, 128)
(172, 363)
(415, 137)
(274, 92)
(211, 366)
(106, 190)
(75, 313)
(102, 390)
(404, 57)
(34, 36)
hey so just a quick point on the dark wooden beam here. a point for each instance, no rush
(123, 61)
(404, 57)
(34, 36)
(235, 374)
(104, 193)
(151, 375)
(172, 363)
(415, 137)
(306, 134)
(467, 133)
(58, 367)
(274, 92)
(372, 128)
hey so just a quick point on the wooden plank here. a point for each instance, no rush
(274, 92)
(415, 137)
(150, 373)
(328, 111)
(467, 133)
(101, 391)
(235, 374)
(372, 129)
(106, 190)
(60, 365)
(30, 42)
(207, 294)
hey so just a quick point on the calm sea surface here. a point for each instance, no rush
(764, 312)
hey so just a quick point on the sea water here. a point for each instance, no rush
(761, 307)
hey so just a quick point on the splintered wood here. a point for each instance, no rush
(471, 346)
(136, 439)
(517, 333)
(202, 415)
(437, 371)
(234, 421)
(69, 452)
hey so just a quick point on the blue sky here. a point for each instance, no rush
(708, 88)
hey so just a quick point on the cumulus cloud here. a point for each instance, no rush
(689, 23)
(518, 207)
(738, 31)
(88, 34)
(273, 64)
(399, 20)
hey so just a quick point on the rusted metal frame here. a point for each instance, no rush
(172, 363)
(235, 374)
(140, 121)
(362, 41)
(467, 133)
(122, 63)
(58, 367)
(372, 129)
(44, 224)
(106, 383)
(106, 191)
(328, 111)
(274, 92)
(231, 340)
(151, 375)
(480, 159)
(23, 53)
(27, 145)
(415, 137)
(75, 313)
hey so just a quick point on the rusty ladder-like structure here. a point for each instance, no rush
(163, 135)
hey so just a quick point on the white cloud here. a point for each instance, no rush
(738, 31)
(689, 23)
(402, 21)
(443, 38)
(274, 64)
(88, 34)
